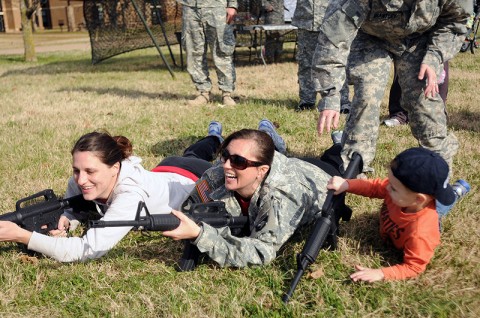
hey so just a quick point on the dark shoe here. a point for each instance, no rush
(304, 106)
(345, 108)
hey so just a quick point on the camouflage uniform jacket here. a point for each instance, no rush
(209, 3)
(398, 26)
(309, 14)
(290, 197)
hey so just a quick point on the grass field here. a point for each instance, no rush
(46, 106)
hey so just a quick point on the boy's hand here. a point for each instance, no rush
(338, 184)
(367, 274)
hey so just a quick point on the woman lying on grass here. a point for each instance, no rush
(106, 172)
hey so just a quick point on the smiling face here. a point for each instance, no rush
(246, 181)
(95, 179)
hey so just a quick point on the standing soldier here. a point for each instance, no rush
(208, 23)
(307, 18)
(274, 14)
(418, 36)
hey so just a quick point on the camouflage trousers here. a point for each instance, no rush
(306, 43)
(274, 39)
(369, 67)
(203, 28)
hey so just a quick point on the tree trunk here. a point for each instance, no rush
(29, 45)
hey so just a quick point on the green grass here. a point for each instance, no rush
(47, 105)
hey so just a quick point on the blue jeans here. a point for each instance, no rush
(443, 210)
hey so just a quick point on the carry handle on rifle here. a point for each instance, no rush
(323, 226)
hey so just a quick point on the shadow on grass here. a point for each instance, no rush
(143, 63)
(173, 147)
(464, 120)
(130, 93)
(168, 96)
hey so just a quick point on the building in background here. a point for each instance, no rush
(64, 15)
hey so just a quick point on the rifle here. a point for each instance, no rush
(325, 228)
(212, 213)
(40, 212)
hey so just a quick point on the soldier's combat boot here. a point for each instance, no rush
(202, 98)
(227, 99)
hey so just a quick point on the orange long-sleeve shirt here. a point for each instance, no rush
(417, 234)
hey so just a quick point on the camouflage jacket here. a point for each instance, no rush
(291, 196)
(398, 26)
(209, 3)
(309, 14)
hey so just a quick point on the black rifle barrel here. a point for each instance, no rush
(321, 230)
(167, 222)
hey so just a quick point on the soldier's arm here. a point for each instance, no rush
(448, 33)
(341, 23)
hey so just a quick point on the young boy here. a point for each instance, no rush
(417, 178)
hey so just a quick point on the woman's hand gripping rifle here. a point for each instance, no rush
(212, 213)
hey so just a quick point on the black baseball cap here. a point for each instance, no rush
(424, 171)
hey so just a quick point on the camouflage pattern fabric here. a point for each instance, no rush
(206, 24)
(430, 32)
(290, 197)
(274, 14)
(309, 14)
(307, 18)
(306, 43)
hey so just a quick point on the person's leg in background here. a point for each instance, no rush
(369, 66)
(397, 115)
(221, 39)
(194, 39)
(306, 42)
(427, 116)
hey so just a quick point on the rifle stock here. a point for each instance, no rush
(325, 227)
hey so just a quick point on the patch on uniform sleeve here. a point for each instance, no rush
(203, 190)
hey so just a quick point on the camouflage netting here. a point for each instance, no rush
(115, 27)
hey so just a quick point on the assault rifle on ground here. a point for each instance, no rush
(212, 213)
(326, 226)
(40, 212)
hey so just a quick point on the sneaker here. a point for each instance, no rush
(267, 126)
(202, 98)
(337, 136)
(392, 122)
(461, 188)
(227, 99)
(304, 106)
(215, 129)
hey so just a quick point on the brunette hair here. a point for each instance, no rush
(108, 149)
(265, 148)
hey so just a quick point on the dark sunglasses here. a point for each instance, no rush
(238, 162)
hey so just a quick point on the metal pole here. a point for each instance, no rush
(152, 37)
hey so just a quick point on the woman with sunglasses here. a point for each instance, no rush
(106, 172)
(278, 194)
